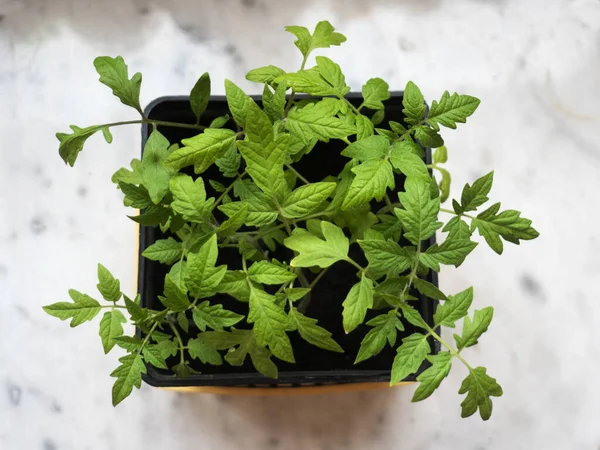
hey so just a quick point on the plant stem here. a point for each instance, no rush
(112, 306)
(449, 211)
(145, 341)
(293, 94)
(155, 122)
(349, 104)
(181, 346)
(388, 202)
(226, 191)
(298, 174)
(450, 349)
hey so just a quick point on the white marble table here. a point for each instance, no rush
(534, 64)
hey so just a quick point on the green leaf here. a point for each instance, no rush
(237, 101)
(234, 283)
(203, 277)
(428, 289)
(153, 355)
(153, 216)
(428, 137)
(165, 251)
(295, 294)
(114, 74)
(236, 221)
(451, 109)
(374, 92)
(306, 199)
(413, 316)
(479, 387)
(385, 329)
(260, 211)
(358, 300)
(199, 349)
(440, 155)
(332, 73)
(200, 95)
(444, 184)
(408, 163)
(110, 328)
(229, 163)
(324, 36)
(455, 308)
(307, 82)
(138, 314)
(71, 144)
(378, 117)
(476, 195)
(413, 103)
(202, 150)
(155, 174)
(274, 104)
(214, 316)
(270, 324)
(386, 257)
(419, 216)
(264, 74)
(108, 286)
(318, 252)
(409, 145)
(82, 309)
(372, 179)
(128, 374)
(183, 321)
(175, 298)
(450, 252)
(457, 229)
(317, 121)
(432, 377)
(183, 370)
(220, 121)
(312, 333)
(268, 273)
(135, 196)
(133, 176)
(409, 356)
(389, 226)
(373, 147)
(219, 187)
(508, 224)
(189, 198)
(128, 343)
(364, 127)
(473, 329)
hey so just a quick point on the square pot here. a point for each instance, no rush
(314, 366)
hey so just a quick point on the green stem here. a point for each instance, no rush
(181, 346)
(298, 174)
(347, 141)
(318, 277)
(155, 122)
(293, 94)
(450, 349)
(112, 307)
(226, 191)
(449, 211)
(147, 337)
(356, 110)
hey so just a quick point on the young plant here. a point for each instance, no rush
(269, 204)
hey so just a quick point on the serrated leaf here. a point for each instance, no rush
(479, 387)
(386, 257)
(108, 286)
(457, 229)
(413, 316)
(332, 73)
(72, 143)
(175, 298)
(356, 304)
(373, 147)
(153, 216)
(155, 175)
(374, 92)
(237, 101)
(455, 308)
(235, 283)
(202, 150)
(217, 186)
(153, 355)
(428, 289)
(214, 316)
(473, 329)
(270, 324)
(451, 109)
(312, 333)
(189, 198)
(295, 294)
(229, 163)
(364, 127)
(183, 321)
(236, 221)
(110, 328)
(129, 375)
(389, 226)
(419, 213)
(82, 309)
(385, 330)
(264, 74)
(409, 356)
(220, 121)
(372, 179)
(274, 103)
(428, 137)
(474, 196)
(451, 252)
(165, 251)
(114, 74)
(413, 103)
(128, 343)
(324, 36)
(200, 95)
(268, 273)
(317, 121)
(135, 196)
(201, 350)
(408, 163)
(318, 252)
(432, 377)
(508, 224)
(306, 199)
(124, 175)
(259, 211)
(203, 277)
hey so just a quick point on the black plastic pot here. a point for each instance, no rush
(313, 365)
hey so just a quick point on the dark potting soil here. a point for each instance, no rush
(312, 363)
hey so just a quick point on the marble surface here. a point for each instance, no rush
(534, 64)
